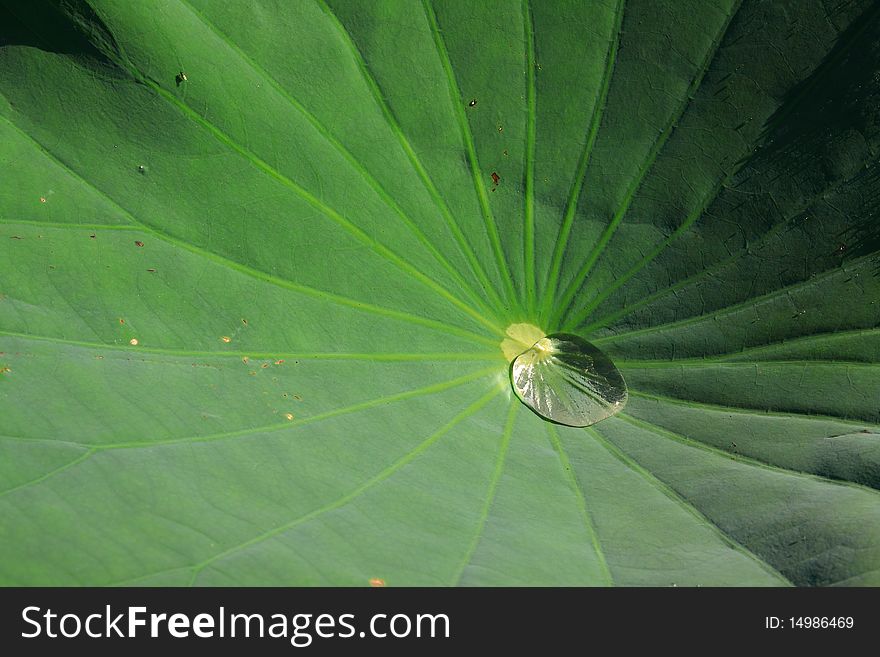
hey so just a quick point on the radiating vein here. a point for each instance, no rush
(604, 321)
(490, 494)
(744, 410)
(731, 357)
(340, 148)
(562, 235)
(265, 355)
(252, 431)
(467, 136)
(656, 250)
(293, 424)
(252, 272)
(682, 503)
(464, 245)
(576, 488)
(355, 231)
(599, 248)
(702, 363)
(529, 223)
(739, 458)
(733, 308)
(32, 482)
(774, 231)
(355, 492)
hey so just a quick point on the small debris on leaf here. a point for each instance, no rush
(226, 339)
(138, 243)
(289, 416)
(133, 342)
(180, 78)
(376, 582)
(495, 177)
(473, 102)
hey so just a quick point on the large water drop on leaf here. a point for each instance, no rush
(565, 379)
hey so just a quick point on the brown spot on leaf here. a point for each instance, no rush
(226, 339)
(495, 177)
(42, 199)
(279, 362)
(138, 243)
(377, 582)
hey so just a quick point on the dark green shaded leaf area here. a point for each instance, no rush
(257, 260)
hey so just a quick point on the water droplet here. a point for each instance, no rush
(567, 380)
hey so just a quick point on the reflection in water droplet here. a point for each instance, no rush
(567, 380)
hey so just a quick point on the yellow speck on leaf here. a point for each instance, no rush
(376, 582)
(226, 339)
(289, 416)
(520, 338)
(133, 342)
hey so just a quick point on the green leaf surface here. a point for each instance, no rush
(257, 261)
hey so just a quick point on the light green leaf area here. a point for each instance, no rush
(257, 260)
